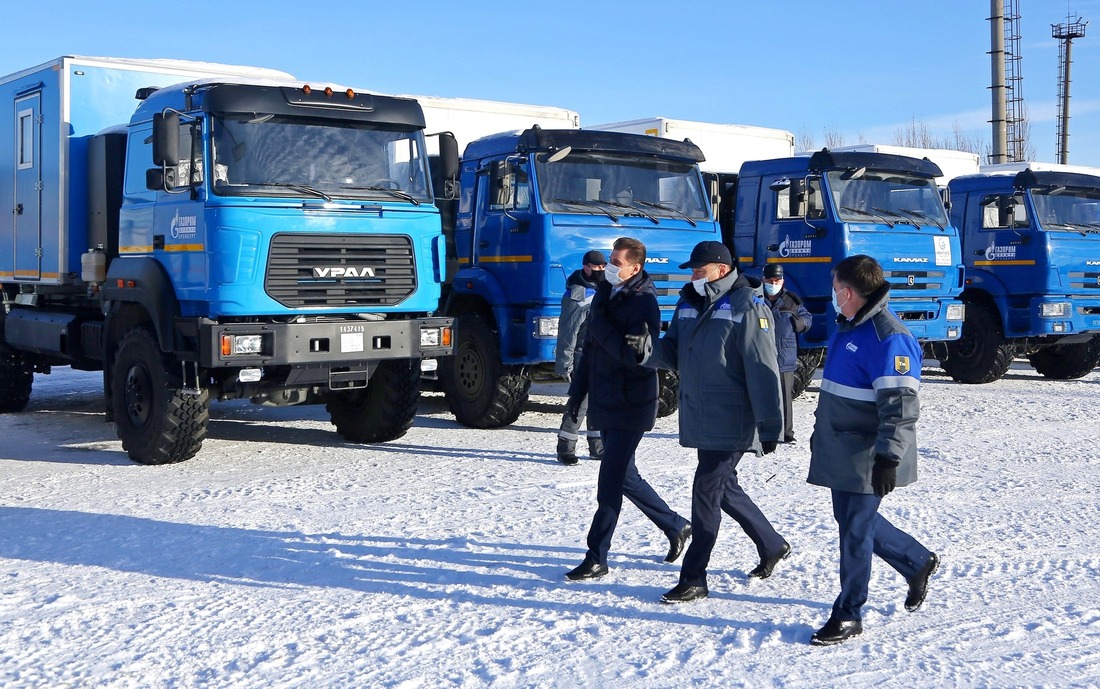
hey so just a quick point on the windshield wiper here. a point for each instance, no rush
(590, 204)
(1068, 226)
(921, 214)
(903, 219)
(404, 195)
(631, 206)
(670, 209)
(305, 189)
(873, 215)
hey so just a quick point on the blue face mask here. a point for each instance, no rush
(837, 305)
(772, 289)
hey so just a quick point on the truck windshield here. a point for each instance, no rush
(272, 155)
(1067, 210)
(591, 182)
(887, 197)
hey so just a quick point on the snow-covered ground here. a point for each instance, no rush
(284, 557)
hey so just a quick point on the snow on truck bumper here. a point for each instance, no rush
(319, 343)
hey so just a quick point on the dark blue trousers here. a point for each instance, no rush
(716, 490)
(618, 477)
(863, 533)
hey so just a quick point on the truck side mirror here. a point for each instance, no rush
(160, 179)
(166, 139)
(448, 154)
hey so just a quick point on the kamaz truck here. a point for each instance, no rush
(807, 213)
(229, 234)
(531, 204)
(1031, 245)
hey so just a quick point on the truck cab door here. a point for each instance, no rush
(502, 244)
(1005, 244)
(27, 211)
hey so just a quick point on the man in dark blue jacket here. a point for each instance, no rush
(622, 403)
(789, 317)
(865, 440)
(721, 343)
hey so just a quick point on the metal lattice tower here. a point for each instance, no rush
(1065, 33)
(1016, 114)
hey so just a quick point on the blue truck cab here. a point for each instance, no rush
(531, 204)
(1031, 244)
(807, 213)
(220, 237)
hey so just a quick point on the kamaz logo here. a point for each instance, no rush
(661, 261)
(907, 259)
(1092, 263)
(338, 272)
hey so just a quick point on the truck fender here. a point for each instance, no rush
(477, 285)
(141, 280)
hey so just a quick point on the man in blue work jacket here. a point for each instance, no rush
(864, 442)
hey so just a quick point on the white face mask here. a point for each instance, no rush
(611, 274)
(700, 286)
(772, 289)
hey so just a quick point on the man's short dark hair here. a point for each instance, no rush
(860, 272)
(635, 250)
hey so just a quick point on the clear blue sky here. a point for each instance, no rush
(862, 69)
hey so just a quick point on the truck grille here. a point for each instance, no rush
(915, 279)
(307, 270)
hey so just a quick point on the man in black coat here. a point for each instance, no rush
(790, 318)
(622, 403)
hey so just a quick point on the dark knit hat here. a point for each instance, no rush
(595, 258)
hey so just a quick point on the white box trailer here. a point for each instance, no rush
(952, 163)
(726, 146)
(470, 119)
(1037, 166)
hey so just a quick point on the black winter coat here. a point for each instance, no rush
(622, 394)
(790, 317)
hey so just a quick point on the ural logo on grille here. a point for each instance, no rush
(337, 272)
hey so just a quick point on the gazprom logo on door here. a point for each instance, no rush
(795, 247)
(184, 226)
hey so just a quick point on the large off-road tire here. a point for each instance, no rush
(16, 378)
(981, 355)
(1067, 361)
(481, 391)
(808, 362)
(157, 422)
(668, 393)
(382, 411)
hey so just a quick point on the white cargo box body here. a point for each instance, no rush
(1013, 168)
(726, 146)
(470, 119)
(952, 163)
(47, 115)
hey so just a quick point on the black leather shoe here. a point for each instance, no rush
(789, 439)
(684, 593)
(764, 569)
(676, 543)
(587, 570)
(918, 585)
(836, 631)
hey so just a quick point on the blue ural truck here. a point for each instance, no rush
(1031, 244)
(228, 236)
(531, 204)
(807, 213)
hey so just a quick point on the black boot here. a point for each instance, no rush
(595, 447)
(567, 451)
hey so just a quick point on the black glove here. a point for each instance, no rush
(639, 343)
(573, 409)
(768, 446)
(884, 476)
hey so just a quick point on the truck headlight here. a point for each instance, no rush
(546, 328)
(435, 337)
(1057, 309)
(956, 312)
(242, 345)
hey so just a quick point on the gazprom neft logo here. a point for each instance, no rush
(184, 226)
(339, 272)
(1003, 252)
(795, 247)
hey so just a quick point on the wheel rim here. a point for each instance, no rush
(470, 374)
(138, 396)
